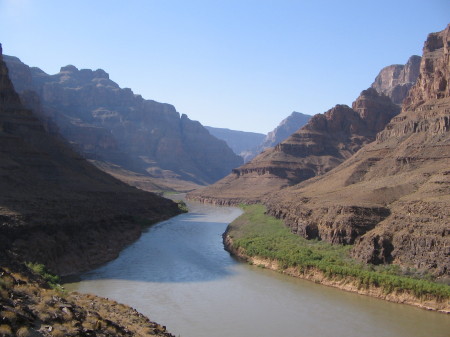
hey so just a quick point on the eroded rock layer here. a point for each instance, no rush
(322, 144)
(392, 198)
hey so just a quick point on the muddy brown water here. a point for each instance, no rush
(179, 275)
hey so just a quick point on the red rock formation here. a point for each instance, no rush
(392, 198)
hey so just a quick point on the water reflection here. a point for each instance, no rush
(182, 249)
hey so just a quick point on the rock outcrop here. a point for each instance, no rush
(29, 307)
(392, 198)
(395, 80)
(109, 124)
(55, 207)
(322, 144)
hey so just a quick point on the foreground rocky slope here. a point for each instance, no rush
(29, 307)
(109, 124)
(55, 207)
(322, 144)
(391, 199)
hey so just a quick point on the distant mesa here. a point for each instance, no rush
(248, 144)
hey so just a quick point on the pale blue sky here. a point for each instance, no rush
(243, 64)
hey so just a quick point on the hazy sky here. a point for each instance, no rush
(242, 64)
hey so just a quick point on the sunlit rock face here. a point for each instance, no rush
(395, 80)
(322, 144)
(392, 198)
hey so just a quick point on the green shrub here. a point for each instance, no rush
(52, 280)
(265, 236)
(182, 206)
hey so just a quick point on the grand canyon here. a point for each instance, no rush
(87, 168)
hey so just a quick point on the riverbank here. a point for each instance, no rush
(29, 306)
(33, 303)
(263, 240)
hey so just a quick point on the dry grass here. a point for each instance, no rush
(5, 330)
(69, 315)
(9, 316)
(23, 332)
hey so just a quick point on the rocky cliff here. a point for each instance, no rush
(110, 124)
(322, 144)
(395, 80)
(55, 207)
(392, 198)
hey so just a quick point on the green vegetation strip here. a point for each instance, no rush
(267, 237)
(40, 269)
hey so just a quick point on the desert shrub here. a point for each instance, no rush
(5, 330)
(53, 280)
(182, 206)
(23, 332)
(9, 316)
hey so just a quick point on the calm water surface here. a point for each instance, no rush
(179, 275)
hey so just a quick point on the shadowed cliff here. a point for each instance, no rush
(55, 207)
(112, 125)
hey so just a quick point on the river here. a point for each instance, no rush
(179, 275)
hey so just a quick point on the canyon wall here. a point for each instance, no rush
(391, 199)
(111, 124)
(55, 207)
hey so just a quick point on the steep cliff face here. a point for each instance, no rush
(107, 123)
(392, 198)
(322, 144)
(395, 80)
(55, 207)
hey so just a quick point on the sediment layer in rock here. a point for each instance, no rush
(322, 144)
(392, 198)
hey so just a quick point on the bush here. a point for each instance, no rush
(52, 280)
(182, 206)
